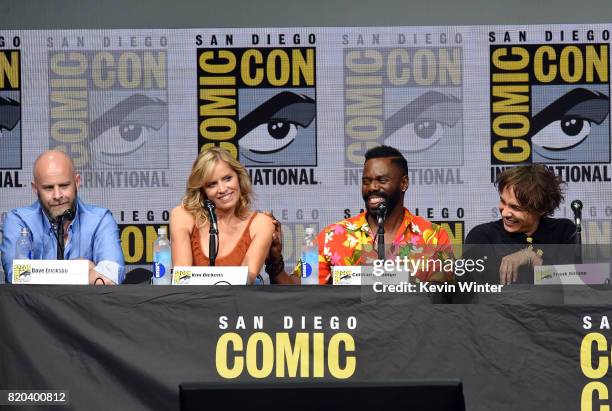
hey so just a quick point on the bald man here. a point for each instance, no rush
(92, 234)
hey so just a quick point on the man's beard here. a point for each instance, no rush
(52, 215)
(390, 200)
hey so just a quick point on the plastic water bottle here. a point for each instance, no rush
(2, 274)
(23, 247)
(162, 258)
(310, 258)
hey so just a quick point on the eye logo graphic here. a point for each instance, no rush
(410, 98)
(549, 103)
(10, 109)
(130, 132)
(184, 279)
(259, 104)
(573, 128)
(280, 131)
(108, 108)
(10, 132)
(426, 127)
(9, 114)
(22, 273)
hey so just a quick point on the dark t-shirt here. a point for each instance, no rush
(493, 241)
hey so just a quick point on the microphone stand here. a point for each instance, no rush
(213, 232)
(212, 244)
(68, 214)
(380, 235)
(60, 237)
(577, 209)
(578, 229)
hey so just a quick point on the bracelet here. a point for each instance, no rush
(275, 268)
(538, 251)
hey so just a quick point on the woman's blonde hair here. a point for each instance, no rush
(201, 171)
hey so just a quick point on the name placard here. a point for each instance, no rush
(74, 272)
(364, 275)
(572, 274)
(230, 275)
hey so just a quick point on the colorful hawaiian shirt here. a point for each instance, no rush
(351, 242)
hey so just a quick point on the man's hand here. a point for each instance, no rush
(275, 266)
(275, 255)
(95, 278)
(510, 264)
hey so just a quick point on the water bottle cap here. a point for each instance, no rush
(163, 230)
(309, 230)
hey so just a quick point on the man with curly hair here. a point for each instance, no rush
(528, 195)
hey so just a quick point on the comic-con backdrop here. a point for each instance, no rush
(299, 107)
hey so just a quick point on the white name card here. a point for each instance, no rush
(572, 274)
(346, 275)
(364, 275)
(74, 272)
(210, 275)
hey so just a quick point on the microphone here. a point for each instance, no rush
(59, 221)
(576, 206)
(577, 209)
(67, 215)
(210, 207)
(382, 210)
(213, 231)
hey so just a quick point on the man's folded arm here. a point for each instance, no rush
(107, 253)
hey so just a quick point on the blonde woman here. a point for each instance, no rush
(245, 236)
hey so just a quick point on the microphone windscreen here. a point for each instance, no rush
(209, 204)
(69, 214)
(576, 205)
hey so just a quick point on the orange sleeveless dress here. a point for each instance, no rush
(234, 258)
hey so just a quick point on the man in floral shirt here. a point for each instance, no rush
(353, 241)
